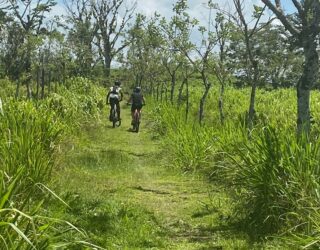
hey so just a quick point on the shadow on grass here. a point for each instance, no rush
(113, 222)
(101, 158)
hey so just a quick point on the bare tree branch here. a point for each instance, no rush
(277, 10)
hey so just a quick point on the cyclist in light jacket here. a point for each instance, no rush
(114, 97)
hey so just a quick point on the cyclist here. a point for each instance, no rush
(114, 97)
(137, 101)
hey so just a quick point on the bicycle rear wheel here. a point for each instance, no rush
(116, 122)
(137, 126)
(136, 123)
(114, 118)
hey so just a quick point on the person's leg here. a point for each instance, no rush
(139, 110)
(133, 108)
(118, 109)
(111, 108)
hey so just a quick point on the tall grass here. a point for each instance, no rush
(278, 178)
(30, 133)
(189, 145)
(274, 177)
(76, 102)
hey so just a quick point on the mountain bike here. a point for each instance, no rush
(116, 122)
(136, 121)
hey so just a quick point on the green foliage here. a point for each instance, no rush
(7, 88)
(190, 146)
(278, 178)
(79, 101)
(30, 134)
(28, 137)
(273, 177)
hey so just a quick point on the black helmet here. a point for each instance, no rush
(137, 89)
(117, 83)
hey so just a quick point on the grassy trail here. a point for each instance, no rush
(122, 192)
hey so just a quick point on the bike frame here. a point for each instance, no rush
(115, 118)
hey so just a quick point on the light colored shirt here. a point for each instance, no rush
(116, 93)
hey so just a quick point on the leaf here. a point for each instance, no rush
(15, 228)
(10, 189)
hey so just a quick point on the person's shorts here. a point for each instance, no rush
(136, 106)
(114, 101)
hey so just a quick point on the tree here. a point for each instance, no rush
(201, 61)
(110, 27)
(304, 28)
(144, 54)
(81, 34)
(31, 15)
(172, 59)
(222, 28)
(248, 33)
(280, 62)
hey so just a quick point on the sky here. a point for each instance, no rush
(198, 10)
(197, 7)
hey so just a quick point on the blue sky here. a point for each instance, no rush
(164, 7)
(196, 7)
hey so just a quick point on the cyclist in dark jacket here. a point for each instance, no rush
(114, 97)
(137, 101)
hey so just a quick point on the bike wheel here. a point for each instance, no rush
(136, 122)
(114, 118)
(118, 122)
(137, 126)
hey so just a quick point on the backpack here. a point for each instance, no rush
(137, 98)
(115, 90)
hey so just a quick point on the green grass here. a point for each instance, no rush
(151, 190)
(123, 191)
(272, 177)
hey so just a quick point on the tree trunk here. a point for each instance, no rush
(166, 93)
(187, 99)
(28, 70)
(29, 95)
(202, 102)
(158, 85)
(42, 82)
(207, 87)
(107, 66)
(49, 82)
(307, 80)
(221, 103)
(161, 96)
(18, 89)
(173, 85)
(253, 96)
(180, 91)
(38, 82)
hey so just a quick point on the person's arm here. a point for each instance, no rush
(121, 95)
(143, 100)
(107, 99)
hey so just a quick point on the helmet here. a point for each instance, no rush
(117, 83)
(137, 89)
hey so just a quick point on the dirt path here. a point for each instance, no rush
(130, 168)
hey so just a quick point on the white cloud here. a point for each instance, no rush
(149, 7)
